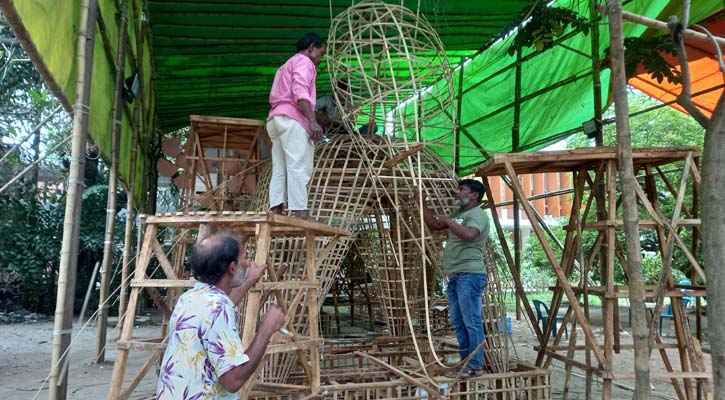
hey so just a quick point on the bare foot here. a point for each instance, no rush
(303, 214)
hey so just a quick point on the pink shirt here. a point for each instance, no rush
(294, 81)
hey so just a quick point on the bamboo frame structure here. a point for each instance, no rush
(221, 160)
(382, 367)
(361, 186)
(405, 94)
(260, 228)
(140, 124)
(601, 162)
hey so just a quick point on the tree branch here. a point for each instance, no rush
(685, 97)
(717, 47)
(659, 25)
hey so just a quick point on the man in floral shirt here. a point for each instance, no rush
(204, 358)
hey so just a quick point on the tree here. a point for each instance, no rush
(24, 104)
(712, 185)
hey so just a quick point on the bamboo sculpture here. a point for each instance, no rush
(363, 183)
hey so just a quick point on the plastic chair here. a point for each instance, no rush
(670, 315)
(542, 314)
(690, 298)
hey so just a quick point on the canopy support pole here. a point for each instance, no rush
(459, 103)
(599, 184)
(131, 206)
(71, 224)
(515, 144)
(112, 188)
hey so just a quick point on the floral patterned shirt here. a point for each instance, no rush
(203, 345)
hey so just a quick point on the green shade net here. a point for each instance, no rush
(218, 57)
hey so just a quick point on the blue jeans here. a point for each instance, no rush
(464, 302)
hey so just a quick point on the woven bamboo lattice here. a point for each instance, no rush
(376, 48)
(338, 196)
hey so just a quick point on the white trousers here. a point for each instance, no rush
(292, 163)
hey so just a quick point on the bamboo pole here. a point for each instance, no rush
(457, 131)
(629, 203)
(112, 188)
(596, 70)
(662, 26)
(91, 283)
(71, 224)
(515, 143)
(130, 206)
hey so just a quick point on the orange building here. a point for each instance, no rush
(536, 186)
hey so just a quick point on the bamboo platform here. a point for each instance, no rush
(382, 367)
(594, 169)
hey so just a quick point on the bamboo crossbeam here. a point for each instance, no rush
(643, 223)
(161, 283)
(300, 343)
(432, 391)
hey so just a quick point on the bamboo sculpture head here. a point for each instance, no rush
(396, 71)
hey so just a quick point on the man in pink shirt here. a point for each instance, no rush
(293, 128)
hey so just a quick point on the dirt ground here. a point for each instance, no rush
(25, 354)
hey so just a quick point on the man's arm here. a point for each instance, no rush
(431, 221)
(466, 233)
(254, 273)
(316, 130)
(233, 379)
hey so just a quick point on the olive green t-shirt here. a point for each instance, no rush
(466, 256)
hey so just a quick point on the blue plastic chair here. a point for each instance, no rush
(542, 315)
(690, 298)
(670, 315)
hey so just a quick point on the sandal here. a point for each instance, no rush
(471, 373)
(464, 373)
(455, 373)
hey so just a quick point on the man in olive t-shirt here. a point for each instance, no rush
(463, 264)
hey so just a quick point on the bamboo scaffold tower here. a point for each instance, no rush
(598, 352)
(155, 270)
(220, 161)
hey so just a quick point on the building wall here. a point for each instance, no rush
(535, 184)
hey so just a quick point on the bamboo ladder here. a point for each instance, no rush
(260, 227)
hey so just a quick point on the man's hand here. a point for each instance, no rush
(254, 272)
(233, 379)
(315, 131)
(322, 118)
(272, 320)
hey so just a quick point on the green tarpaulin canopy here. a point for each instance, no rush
(218, 57)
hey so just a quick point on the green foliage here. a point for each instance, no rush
(32, 226)
(24, 103)
(661, 127)
(545, 24)
(648, 52)
(652, 270)
(537, 271)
